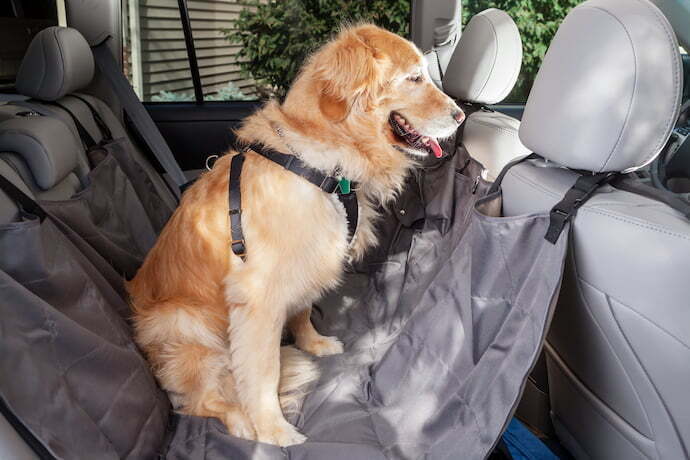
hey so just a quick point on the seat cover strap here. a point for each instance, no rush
(26, 203)
(578, 194)
(632, 185)
(134, 109)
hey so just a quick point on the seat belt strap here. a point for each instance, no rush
(136, 112)
(235, 206)
(579, 193)
(26, 203)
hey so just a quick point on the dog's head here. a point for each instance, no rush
(375, 85)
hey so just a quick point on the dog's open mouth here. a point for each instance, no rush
(406, 132)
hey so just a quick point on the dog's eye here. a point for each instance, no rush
(415, 78)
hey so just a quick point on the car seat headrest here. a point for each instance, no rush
(486, 62)
(609, 89)
(46, 144)
(58, 62)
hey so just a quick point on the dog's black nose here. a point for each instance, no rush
(458, 116)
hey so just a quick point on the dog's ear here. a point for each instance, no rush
(348, 75)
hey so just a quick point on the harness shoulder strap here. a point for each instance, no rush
(325, 182)
(141, 120)
(235, 206)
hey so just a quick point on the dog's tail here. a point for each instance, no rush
(297, 372)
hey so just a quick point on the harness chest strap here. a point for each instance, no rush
(327, 183)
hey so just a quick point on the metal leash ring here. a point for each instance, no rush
(208, 159)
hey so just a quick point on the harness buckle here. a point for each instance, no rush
(240, 252)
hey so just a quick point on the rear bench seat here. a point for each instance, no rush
(42, 140)
(68, 351)
(63, 54)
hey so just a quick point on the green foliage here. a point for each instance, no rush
(275, 36)
(537, 21)
(170, 96)
(229, 92)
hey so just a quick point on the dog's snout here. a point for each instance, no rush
(458, 116)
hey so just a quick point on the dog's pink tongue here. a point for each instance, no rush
(438, 152)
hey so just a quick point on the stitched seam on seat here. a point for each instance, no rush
(593, 400)
(54, 173)
(634, 91)
(639, 313)
(45, 65)
(676, 77)
(638, 224)
(489, 125)
(63, 85)
(649, 379)
(493, 64)
(676, 81)
(590, 208)
(513, 78)
(594, 319)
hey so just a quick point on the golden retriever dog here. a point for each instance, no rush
(211, 323)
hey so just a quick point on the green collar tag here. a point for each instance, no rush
(344, 186)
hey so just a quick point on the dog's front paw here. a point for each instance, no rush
(239, 426)
(321, 346)
(281, 434)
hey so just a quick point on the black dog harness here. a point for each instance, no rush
(328, 183)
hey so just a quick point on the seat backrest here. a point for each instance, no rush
(52, 80)
(482, 71)
(44, 152)
(618, 352)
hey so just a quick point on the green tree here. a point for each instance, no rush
(537, 21)
(275, 36)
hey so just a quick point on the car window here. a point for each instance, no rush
(154, 53)
(537, 21)
(240, 49)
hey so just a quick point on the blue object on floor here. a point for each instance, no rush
(524, 445)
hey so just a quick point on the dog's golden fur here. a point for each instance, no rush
(210, 323)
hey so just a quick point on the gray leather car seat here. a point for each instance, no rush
(57, 65)
(618, 352)
(482, 71)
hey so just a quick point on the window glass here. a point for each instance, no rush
(245, 49)
(154, 51)
(537, 21)
(218, 58)
(264, 43)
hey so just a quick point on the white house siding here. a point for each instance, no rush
(163, 62)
